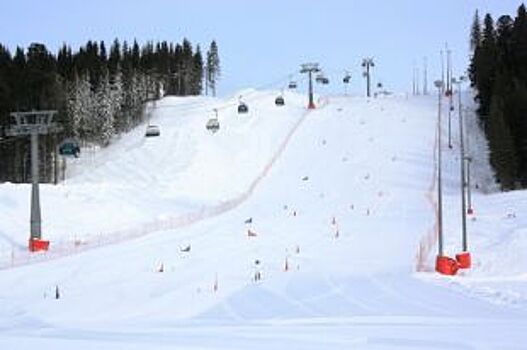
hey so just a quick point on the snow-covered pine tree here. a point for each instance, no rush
(104, 110)
(127, 102)
(197, 72)
(116, 97)
(73, 108)
(213, 67)
(78, 105)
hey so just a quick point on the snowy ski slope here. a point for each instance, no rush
(332, 208)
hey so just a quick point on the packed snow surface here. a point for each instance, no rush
(288, 228)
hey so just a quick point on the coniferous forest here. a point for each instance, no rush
(99, 92)
(498, 72)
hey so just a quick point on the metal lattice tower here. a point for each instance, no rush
(32, 124)
(310, 68)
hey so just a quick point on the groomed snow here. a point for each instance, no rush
(339, 203)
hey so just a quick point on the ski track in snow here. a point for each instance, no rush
(343, 196)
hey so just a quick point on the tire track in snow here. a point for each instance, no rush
(67, 248)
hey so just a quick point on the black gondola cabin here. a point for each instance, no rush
(243, 108)
(70, 148)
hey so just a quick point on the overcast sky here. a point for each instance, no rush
(261, 42)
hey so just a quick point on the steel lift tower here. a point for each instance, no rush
(310, 68)
(34, 123)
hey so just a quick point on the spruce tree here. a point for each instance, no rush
(104, 110)
(485, 59)
(136, 55)
(197, 69)
(5, 86)
(97, 93)
(79, 105)
(475, 32)
(103, 57)
(186, 68)
(175, 70)
(85, 99)
(213, 69)
(504, 32)
(65, 62)
(117, 98)
(115, 57)
(519, 43)
(72, 107)
(19, 81)
(503, 155)
(516, 110)
(43, 80)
